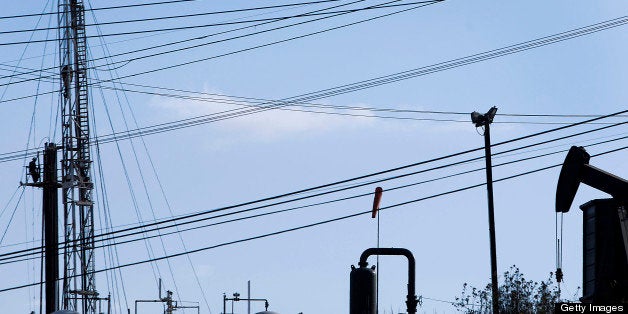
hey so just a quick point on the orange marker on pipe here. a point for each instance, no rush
(378, 198)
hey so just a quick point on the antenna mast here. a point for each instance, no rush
(78, 255)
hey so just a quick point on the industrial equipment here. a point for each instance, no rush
(605, 228)
(363, 290)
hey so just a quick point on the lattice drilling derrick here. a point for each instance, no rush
(79, 291)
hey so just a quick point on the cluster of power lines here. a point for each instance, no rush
(204, 219)
(253, 26)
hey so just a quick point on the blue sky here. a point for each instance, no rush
(275, 152)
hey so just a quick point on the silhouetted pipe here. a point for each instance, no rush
(50, 215)
(411, 301)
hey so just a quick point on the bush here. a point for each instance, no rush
(516, 295)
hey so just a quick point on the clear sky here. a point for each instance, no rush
(260, 155)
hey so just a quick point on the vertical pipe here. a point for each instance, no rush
(491, 216)
(248, 296)
(411, 300)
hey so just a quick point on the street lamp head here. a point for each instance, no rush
(483, 119)
(477, 118)
(491, 114)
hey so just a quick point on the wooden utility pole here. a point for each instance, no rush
(485, 120)
(50, 209)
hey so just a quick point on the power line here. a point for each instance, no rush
(259, 101)
(212, 13)
(251, 102)
(142, 227)
(167, 29)
(248, 101)
(154, 35)
(483, 56)
(266, 44)
(425, 70)
(304, 98)
(260, 32)
(97, 9)
(267, 100)
(283, 231)
(315, 204)
(207, 36)
(357, 185)
(202, 37)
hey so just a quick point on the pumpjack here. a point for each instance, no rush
(605, 228)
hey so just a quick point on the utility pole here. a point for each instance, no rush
(78, 256)
(485, 121)
(50, 204)
(50, 222)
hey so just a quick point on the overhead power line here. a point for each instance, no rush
(96, 9)
(425, 70)
(216, 24)
(183, 123)
(37, 250)
(305, 98)
(249, 101)
(245, 101)
(266, 44)
(258, 102)
(154, 224)
(359, 185)
(168, 29)
(283, 231)
(203, 37)
(207, 35)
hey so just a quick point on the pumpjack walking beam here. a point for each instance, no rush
(576, 170)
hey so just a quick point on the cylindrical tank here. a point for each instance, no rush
(604, 273)
(362, 291)
(267, 312)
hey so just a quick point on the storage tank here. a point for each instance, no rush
(604, 272)
(362, 290)
(267, 312)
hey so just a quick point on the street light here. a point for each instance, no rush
(485, 120)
